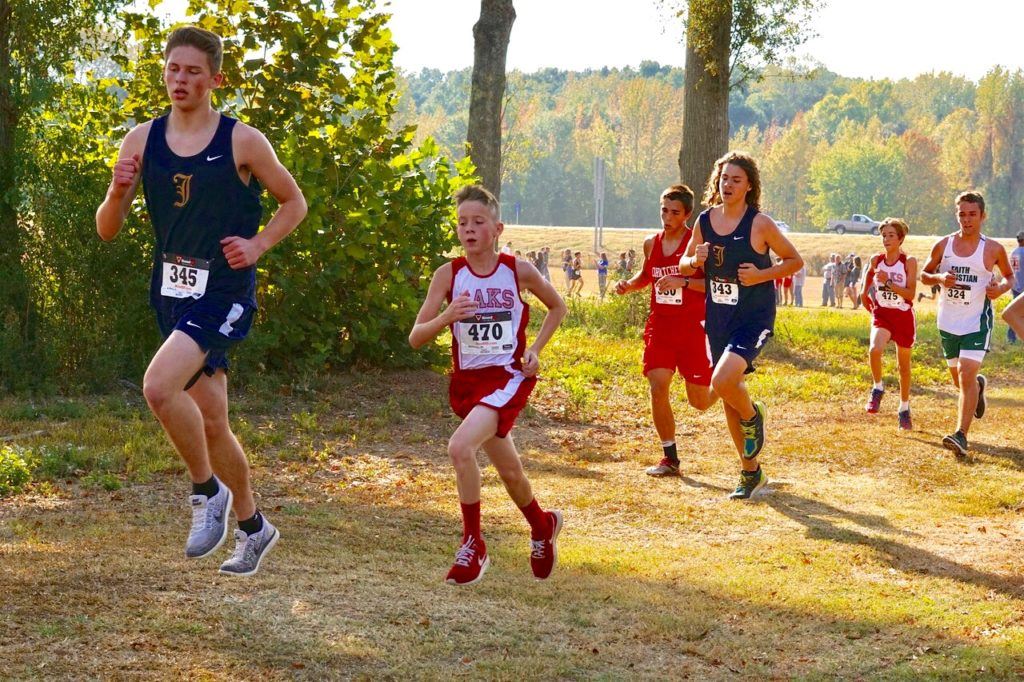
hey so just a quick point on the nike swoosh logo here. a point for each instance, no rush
(214, 158)
(193, 324)
(736, 238)
(480, 561)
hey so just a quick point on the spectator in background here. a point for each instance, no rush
(543, 260)
(853, 280)
(828, 275)
(623, 271)
(602, 273)
(1017, 265)
(631, 260)
(507, 248)
(799, 277)
(839, 280)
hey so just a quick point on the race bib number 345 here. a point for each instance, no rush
(184, 276)
(487, 334)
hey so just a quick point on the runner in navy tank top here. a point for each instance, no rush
(201, 172)
(731, 241)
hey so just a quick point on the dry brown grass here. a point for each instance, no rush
(874, 555)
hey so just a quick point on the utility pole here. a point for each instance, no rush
(598, 203)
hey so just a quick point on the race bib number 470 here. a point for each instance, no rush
(487, 334)
(184, 276)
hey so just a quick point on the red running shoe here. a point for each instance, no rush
(471, 562)
(544, 552)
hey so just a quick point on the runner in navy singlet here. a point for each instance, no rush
(201, 174)
(731, 241)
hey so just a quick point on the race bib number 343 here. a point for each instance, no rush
(487, 334)
(725, 293)
(184, 276)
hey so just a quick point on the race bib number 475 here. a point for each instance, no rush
(487, 334)
(183, 276)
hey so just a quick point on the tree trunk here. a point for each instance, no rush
(490, 37)
(14, 303)
(705, 91)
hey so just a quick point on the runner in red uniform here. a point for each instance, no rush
(674, 338)
(493, 373)
(893, 275)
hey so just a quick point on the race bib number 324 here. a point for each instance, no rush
(487, 334)
(183, 276)
(959, 295)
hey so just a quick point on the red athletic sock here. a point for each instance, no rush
(539, 520)
(470, 521)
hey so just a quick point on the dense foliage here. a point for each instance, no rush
(829, 146)
(319, 83)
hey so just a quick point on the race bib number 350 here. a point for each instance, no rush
(184, 276)
(725, 293)
(668, 296)
(487, 334)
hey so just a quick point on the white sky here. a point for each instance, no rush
(863, 38)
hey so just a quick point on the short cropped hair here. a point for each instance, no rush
(971, 197)
(481, 194)
(680, 193)
(900, 225)
(201, 39)
(1020, 238)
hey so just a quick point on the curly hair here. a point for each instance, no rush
(745, 161)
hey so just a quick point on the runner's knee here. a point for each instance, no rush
(460, 452)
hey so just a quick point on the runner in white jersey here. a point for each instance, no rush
(493, 374)
(894, 276)
(962, 264)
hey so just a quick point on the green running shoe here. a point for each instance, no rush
(957, 442)
(750, 483)
(753, 432)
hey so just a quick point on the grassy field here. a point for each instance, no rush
(874, 554)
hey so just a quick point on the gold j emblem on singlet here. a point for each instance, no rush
(182, 184)
(719, 253)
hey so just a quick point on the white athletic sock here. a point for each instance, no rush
(904, 405)
(667, 443)
(880, 386)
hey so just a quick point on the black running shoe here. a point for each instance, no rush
(905, 424)
(979, 410)
(957, 442)
(753, 432)
(750, 483)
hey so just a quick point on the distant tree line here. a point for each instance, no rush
(828, 145)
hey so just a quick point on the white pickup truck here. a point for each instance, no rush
(858, 222)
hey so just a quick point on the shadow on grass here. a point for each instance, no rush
(815, 516)
(355, 590)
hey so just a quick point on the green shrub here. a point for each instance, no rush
(15, 470)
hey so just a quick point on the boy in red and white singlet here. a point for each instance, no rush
(894, 276)
(494, 372)
(674, 338)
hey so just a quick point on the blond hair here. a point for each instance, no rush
(481, 194)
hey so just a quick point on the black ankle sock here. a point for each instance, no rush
(670, 452)
(755, 472)
(209, 488)
(252, 525)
